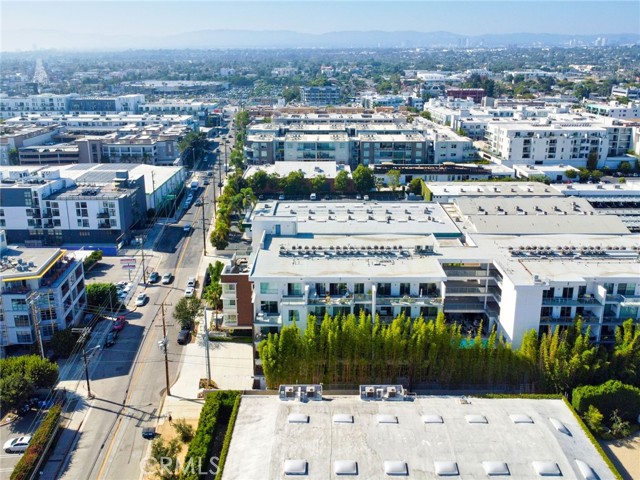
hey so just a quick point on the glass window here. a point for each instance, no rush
(18, 304)
(294, 289)
(23, 337)
(21, 321)
(294, 316)
(268, 288)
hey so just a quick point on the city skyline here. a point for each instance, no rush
(56, 24)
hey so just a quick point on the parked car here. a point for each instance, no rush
(189, 292)
(313, 196)
(119, 323)
(184, 337)
(154, 277)
(191, 282)
(280, 197)
(167, 278)
(366, 198)
(187, 228)
(205, 182)
(141, 300)
(17, 445)
(110, 339)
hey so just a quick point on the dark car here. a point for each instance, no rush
(184, 337)
(154, 277)
(111, 338)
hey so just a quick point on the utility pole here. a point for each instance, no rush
(36, 320)
(206, 346)
(163, 346)
(204, 228)
(141, 239)
(84, 334)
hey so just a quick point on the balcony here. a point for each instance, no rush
(363, 298)
(466, 272)
(293, 300)
(104, 225)
(103, 214)
(345, 300)
(408, 300)
(613, 298)
(268, 319)
(585, 300)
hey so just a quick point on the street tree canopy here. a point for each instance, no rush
(364, 179)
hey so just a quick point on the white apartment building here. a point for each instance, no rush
(45, 102)
(421, 258)
(41, 288)
(24, 136)
(615, 109)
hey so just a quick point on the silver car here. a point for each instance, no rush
(17, 445)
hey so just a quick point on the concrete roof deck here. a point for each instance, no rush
(401, 261)
(492, 189)
(262, 428)
(362, 217)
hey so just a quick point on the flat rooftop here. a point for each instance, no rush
(18, 262)
(361, 217)
(264, 439)
(310, 169)
(347, 255)
(492, 189)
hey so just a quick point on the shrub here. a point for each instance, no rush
(593, 418)
(92, 259)
(227, 438)
(619, 428)
(184, 430)
(607, 398)
(38, 444)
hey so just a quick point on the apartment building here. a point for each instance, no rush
(515, 265)
(632, 93)
(45, 102)
(42, 288)
(615, 109)
(93, 205)
(18, 136)
(320, 96)
(122, 103)
(355, 139)
(475, 94)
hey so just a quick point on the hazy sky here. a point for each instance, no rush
(147, 17)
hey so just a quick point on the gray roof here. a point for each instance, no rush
(475, 450)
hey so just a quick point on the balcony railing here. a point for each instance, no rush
(571, 301)
(102, 215)
(462, 272)
(104, 225)
(268, 319)
(293, 300)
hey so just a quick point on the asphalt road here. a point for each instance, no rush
(128, 378)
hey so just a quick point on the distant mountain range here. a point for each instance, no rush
(210, 39)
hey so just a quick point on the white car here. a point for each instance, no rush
(191, 282)
(141, 300)
(189, 292)
(17, 445)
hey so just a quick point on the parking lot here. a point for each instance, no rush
(24, 425)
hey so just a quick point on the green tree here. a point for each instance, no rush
(342, 182)
(15, 390)
(165, 456)
(101, 294)
(186, 310)
(592, 159)
(184, 430)
(415, 186)
(320, 184)
(63, 342)
(596, 175)
(14, 156)
(258, 181)
(196, 144)
(426, 114)
(571, 173)
(394, 179)
(624, 166)
(295, 184)
(363, 179)
(593, 418)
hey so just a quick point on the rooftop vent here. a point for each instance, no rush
(345, 467)
(546, 469)
(476, 419)
(382, 418)
(295, 467)
(496, 468)
(298, 418)
(446, 468)
(432, 419)
(560, 426)
(586, 471)
(520, 418)
(396, 468)
(342, 418)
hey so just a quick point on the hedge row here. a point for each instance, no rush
(227, 438)
(37, 446)
(593, 440)
(610, 396)
(200, 446)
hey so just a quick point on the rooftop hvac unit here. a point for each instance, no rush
(391, 392)
(311, 391)
(370, 392)
(288, 392)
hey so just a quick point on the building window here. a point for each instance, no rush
(19, 304)
(81, 209)
(294, 289)
(23, 337)
(294, 316)
(21, 321)
(83, 223)
(268, 288)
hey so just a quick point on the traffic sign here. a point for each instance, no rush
(129, 266)
(128, 260)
